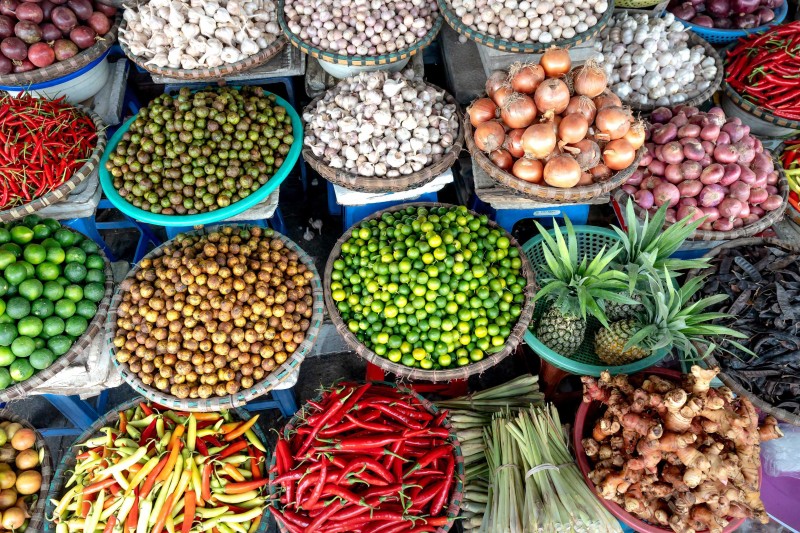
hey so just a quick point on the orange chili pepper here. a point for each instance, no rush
(239, 431)
(133, 515)
(188, 511)
(176, 435)
(231, 471)
(112, 521)
(161, 521)
(123, 422)
(171, 460)
(151, 479)
(205, 491)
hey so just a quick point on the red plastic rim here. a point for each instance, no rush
(588, 411)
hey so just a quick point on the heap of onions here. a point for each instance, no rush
(648, 60)
(549, 123)
(705, 165)
(195, 35)
(381, 124)
(361, 27)
(530, 21)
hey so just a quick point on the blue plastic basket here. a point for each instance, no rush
(719, 36)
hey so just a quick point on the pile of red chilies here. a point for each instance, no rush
(367, 458)
(765, 68)
(42, 143)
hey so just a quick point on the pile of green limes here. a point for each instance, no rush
(429, 288)
(51, 280)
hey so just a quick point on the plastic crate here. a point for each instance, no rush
(508, 218)
(719, 36)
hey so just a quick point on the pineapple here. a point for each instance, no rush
(666, 318)
(620, 311)
(574, 287)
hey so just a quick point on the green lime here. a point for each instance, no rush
(76, 325)
(14, 248)
(2, 307)
(41, 358)
(75, 272)
(18, 307)
(75, 255)
(31, 220)
(94, 291)
(30, 271)
(56, 254)
(47, 271)
(50, 243)
(65, 308)
(40, 232)
(8, 332)
(31, 289)
(52, 224)
(53, 326)
(60, 344)
(20, 370)
(6, 258)
(23, 346)
(95, 261)
(34, 253)
(61, 280)
(53, 291)
(21, 234)
(73, 292)
(5, 378)
(85, 308)
(15, 273)
(5, 319)
(5, 236)
(65, 237)
(6, 356)
(3, 287)
(95, 276)
(42, 308)
(89, 246)
(30, 326)
(39, 342)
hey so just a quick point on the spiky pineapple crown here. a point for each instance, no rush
(575, 285)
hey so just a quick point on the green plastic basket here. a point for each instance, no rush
(585, 362)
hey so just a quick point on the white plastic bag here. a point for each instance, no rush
(779, 456)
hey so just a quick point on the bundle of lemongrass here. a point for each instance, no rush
(470, 415)
(535, 484)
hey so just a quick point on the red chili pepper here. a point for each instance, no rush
(317, 492)
(428, 458)
(441, 497)
(201, 447)
(148, 433)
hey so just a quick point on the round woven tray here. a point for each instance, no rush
(767, 221)
(67, 463)
(732, 383)
(215, 73)
(280, 374)
(37, 511)
(545, 192)
(412, 373)
(498, 43)
(68, 66)
(700, 97)
(22, 390)
(354, 60)
(354, 182)
(457, 494)
(61, 193)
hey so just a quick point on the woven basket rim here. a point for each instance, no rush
(702, 96)
(498, 43)
(55, 487)
(61, 193)
(767, 221)
(635, 4)
(356, 60)
(279, 374)
(457, 373)
(780, 414)
(545, 192)
(735, 33)
(213, 73)
(96, 327)
(60, 69)
(457, 496)
(46, 468)
(354, 182)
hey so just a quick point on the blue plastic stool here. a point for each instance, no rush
(507, 218)
(146, 235)
(334, 209)
(276, 222)
(283, 400)
(356, 213)
(88, 226)
(79, 412)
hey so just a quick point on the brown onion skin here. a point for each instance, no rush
(513, 143)
(530, 170)
(502, 159)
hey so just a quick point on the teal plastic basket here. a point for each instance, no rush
(210, 217)
(585, 362)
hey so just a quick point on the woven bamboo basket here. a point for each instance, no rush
(61, 193)
(279, 375)
(545, 192)
(354, 182)
(67, 463)
(635, 4)
(37, 510)
(96, 327)
(457, 373)
(355, 60)
(733, 383)
(68, 66)
(504, 45)
(457, 494)
(203, 74)
(699, 98)
(767, 221)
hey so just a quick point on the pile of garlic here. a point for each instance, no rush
(381, 124)
(197, 34)
(649, 61)
(544, 21)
